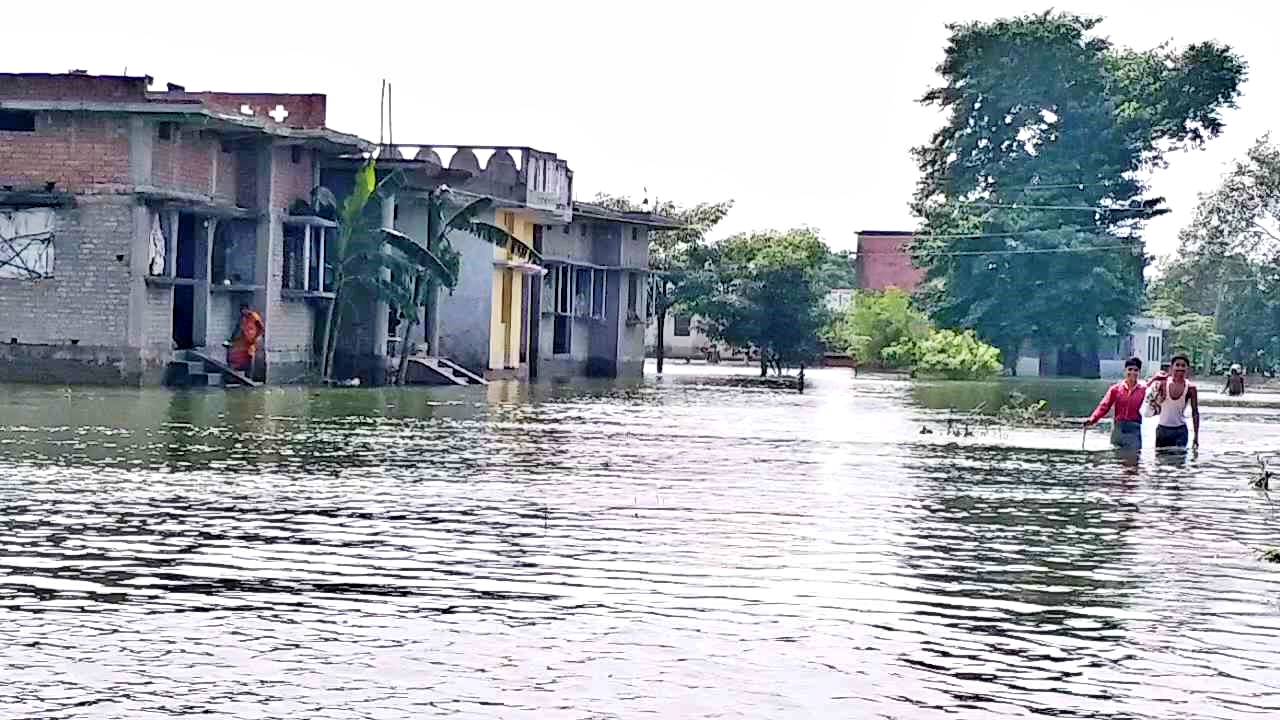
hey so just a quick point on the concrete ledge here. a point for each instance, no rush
(72, 365)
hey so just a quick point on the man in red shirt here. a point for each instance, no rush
(1126, 397)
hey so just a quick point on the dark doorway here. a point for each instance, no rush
(1074, 363)
(184, 296)
(185, 262)
(184, 310)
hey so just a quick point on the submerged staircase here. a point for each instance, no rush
(433, 370)
(194, 368)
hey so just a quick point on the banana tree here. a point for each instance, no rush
(359, 256)
(447, 211)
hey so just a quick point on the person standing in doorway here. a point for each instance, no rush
(1126, 397)
(1174, 394)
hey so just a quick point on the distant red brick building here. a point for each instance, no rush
(884, 261)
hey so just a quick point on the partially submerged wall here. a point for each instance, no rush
(73, 327)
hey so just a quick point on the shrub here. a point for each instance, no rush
(955, 356)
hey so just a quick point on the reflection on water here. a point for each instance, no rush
(684, 547)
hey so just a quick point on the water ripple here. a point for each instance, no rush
(689, 547)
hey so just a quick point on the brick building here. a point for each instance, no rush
(884, 261)
(134, 223)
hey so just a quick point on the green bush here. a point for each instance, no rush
(954, 355)
(874, 323)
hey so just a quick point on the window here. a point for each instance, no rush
(26, 243)
(305, 258)
(563, 284)
(635, 233)
(166, 130)
(599, 280)
(295, 154)
(294, 259)
(683, 325)
(633, 294)
(17, 121)
(583, 230)
(582, 291)
(1153, 349)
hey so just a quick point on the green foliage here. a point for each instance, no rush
(877, 321)
(1226, 264)
(1191, 333)
(1021, 411)
(1030, 206)
(837, 271)
(761, 290)
(370, 265)
(955, 356)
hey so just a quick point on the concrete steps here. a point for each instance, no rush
(192, 368)
(432, 370)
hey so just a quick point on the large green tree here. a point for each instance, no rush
(762, 290)
(671, 253)
(1228, 261)
(1030, 198)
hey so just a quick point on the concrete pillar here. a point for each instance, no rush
(204, 282)
(270, 237)
(141, 145)
(142, 138)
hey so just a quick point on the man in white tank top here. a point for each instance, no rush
(1176, 392)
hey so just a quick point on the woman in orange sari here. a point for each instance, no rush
(244, 343)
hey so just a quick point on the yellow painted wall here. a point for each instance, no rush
(505, 322)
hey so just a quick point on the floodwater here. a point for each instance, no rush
(693, 547)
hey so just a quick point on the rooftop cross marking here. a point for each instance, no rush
(279, 114)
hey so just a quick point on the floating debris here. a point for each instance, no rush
(1263, 481)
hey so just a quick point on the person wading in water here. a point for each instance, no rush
(1126, 397)
(1235, 382)
(1173, 393)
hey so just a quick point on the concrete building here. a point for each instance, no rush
(1146, 340)
(839, 299)
(133, 223)
(883, 260)
(487, 324)
(594, 301)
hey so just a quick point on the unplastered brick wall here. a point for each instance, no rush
(227, 187)
(184, 161)
(158, 319)
(74, 150)
(292, 180)
(87, 299)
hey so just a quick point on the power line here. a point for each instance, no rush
(1010, 233)
(1015, 251)
(1023, 206)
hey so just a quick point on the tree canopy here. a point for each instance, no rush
(762, 290)
(1227, 268)
(1030, 198)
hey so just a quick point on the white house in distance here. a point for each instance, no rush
(684, 338)
(839, 299)
(1146, 341)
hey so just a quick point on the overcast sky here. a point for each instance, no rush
(802, 112)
